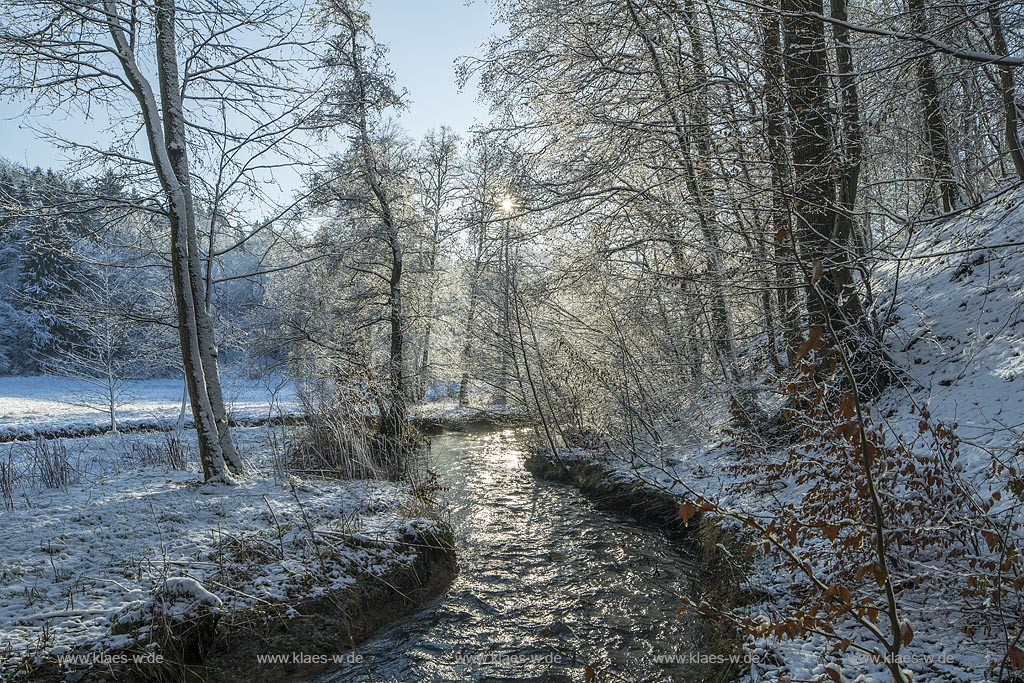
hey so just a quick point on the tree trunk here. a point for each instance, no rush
(852, 134)
(424, 365)
(474, 295)
(112, 398)
(467, 347)
(210, 452)
(778, 154)
(831, 300)
(934, 122)
(393, 422)
(177, 151)
(506, 345)
(423, 369)
(1008, 94)
(834, 306)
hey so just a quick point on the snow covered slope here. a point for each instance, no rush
(958, 324)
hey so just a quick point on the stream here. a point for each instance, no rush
(548, 585)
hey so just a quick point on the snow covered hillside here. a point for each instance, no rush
(951, 430)
(958, 324)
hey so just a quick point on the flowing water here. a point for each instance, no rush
(548, 585)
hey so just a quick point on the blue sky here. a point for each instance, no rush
(425, 37)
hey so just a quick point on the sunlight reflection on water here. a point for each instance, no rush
(548, 584)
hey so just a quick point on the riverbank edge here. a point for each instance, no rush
(471, 420)
(722, 557)
(479, 419)
(335, 623)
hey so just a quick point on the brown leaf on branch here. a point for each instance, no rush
(906, 632)
(686, 511)
(817, 272)
(1016, 656)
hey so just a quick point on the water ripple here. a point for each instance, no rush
(548, 585)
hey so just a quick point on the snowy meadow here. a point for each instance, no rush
(690, 328)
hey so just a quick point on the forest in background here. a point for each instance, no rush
(683, 218)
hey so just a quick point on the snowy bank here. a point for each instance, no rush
(100, 531)
(949, 435)
(62, 407)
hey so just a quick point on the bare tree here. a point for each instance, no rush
(1007, 92)
(362, 90)
(483, 189)
(824, 239)
(934, 118)
(162, 65)
(438, 169)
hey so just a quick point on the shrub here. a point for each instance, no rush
(52, 464)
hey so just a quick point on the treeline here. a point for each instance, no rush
(86, 286)
(84, 282)
(716, 182)
(63, 298)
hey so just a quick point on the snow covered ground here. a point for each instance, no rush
(55, 404)
(93, 524)
(957, 332)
